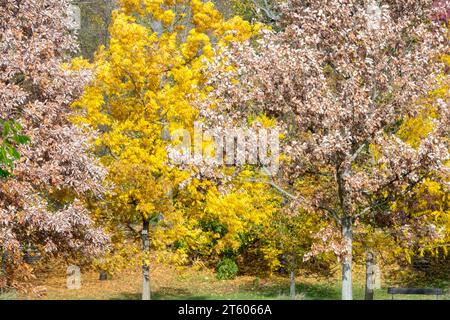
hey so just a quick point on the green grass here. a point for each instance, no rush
(8, 295)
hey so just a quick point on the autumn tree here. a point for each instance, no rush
(142, 91)
(426, 202)
(341, 79)
(431, 197)
(41, 203)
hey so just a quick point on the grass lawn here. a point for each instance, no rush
(171, 283)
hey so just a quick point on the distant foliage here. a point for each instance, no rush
(95, 17)
(266, 11)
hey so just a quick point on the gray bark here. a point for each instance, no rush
(145, 266)
(347, 235)
(292, 286)
(3, 258)
(103, 275)
(370, 276)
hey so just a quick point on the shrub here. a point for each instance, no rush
(226, 269)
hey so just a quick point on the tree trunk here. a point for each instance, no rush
(103, 275)
(3, 258)
(7, 271)
(292, 287)
(370, 275)
(347, 259)
(145, 262)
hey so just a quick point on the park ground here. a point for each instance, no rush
(169, 282)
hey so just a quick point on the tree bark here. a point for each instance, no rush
(292, 277)
(145, 264)
(3, 258)
(370, 275)
(103, 275)
(7, 271)
(347, 235)
(292, 286)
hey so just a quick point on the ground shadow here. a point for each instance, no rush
(307, 290)
(164, 293)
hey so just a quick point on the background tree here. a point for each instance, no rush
(426, 199)
(95, 20)
(266, 11)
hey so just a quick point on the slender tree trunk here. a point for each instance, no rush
(347, 235)
(7, 271)
(292, 276)
(292, 286)
(103, 275)
(370, 275)
(3, 257)
(145, 263)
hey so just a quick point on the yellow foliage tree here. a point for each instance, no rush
(142, 90)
